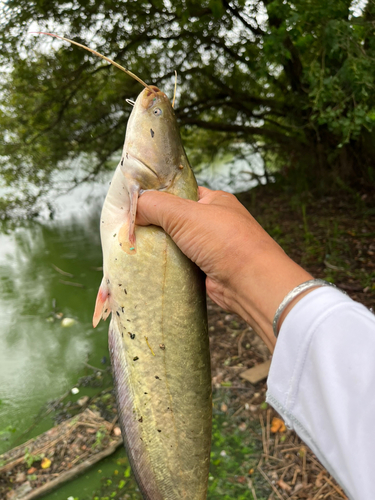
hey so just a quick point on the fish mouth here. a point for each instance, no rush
(143, 164)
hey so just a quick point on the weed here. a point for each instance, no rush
(29, 458)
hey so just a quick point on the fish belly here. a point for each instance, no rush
(160, 357)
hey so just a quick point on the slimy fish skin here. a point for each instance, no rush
(158, 337)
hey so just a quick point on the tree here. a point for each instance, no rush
(296, 80)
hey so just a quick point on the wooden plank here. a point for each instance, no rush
(70, 474)
(83, 427)
(257, 373)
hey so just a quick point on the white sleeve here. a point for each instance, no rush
(322, 382)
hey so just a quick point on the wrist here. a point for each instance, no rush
(264, 281)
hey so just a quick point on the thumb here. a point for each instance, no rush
(161, 209)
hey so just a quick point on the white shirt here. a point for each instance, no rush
(322, 382)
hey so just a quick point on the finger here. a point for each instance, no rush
(161, 209)
(148, 210)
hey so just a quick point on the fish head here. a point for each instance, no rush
(153, 148)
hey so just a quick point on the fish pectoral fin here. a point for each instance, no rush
(102, 309)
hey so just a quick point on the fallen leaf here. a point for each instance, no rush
(20, 477)
(46, 463)
(277, 425)
(283, 485)
(298, 486)
(32, 470)
(224, 407)
(242, 426)
(319, 479)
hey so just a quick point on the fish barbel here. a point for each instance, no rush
(158, 339)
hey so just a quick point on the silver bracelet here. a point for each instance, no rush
(293, 294)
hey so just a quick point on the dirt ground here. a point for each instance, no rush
(334, 239)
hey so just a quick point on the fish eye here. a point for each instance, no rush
(157, 112)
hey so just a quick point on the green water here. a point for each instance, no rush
(40, 359)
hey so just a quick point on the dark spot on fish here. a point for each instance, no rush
(122, 161)
(118, 314)
(159, 430)
(128, 320)
(102, 221)
(122, 334)
(116, 259)
(162, 346)
(126, 293)
(157, 377)
(127, 155)
(135, 358)
(107, 282)
(105, 311)
(152, 133)
(140, 419)
(132, 335)
(122, 309)
(146, 392)
(109, 183)
(119, 284)
(120, 244)
(114, 235)
(141, 439)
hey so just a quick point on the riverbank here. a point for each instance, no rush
(252, 455)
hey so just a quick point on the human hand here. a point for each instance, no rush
(247, 271)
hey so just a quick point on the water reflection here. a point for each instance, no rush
(39, 359)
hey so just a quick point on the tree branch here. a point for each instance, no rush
(239, 129)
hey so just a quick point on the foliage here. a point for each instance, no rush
(29, 458)
(295, 80)
(234, 456)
